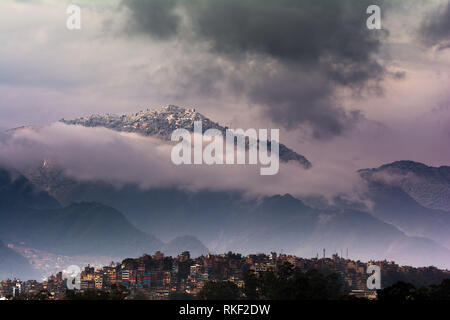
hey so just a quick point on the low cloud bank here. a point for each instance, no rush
(91, 154)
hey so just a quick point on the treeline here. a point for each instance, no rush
(418, 277)
(114, 293)
(403, 291)
(287, 283)
(290, 283)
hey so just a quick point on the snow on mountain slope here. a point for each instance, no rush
(163, 121)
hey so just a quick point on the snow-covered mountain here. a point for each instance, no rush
(162, 122)
(404, 223)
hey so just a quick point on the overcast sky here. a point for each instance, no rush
(340, 93)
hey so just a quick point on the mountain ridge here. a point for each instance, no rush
(226, 221)
(29, 214)
(429, 186)
(162, 122)
(412, 196)
(14, 265)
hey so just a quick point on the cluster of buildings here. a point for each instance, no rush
(31, 289)
(156, 277)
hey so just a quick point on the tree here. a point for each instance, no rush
(180, 296)
(406, 291)
(221, 290)
(398, 291)
(290, 283)
(440, 291)
(115, 293)
(42, 295)
(184, 269)
(251, 286)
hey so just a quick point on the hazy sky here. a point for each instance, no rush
(341, 94)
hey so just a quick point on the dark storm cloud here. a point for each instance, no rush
(311, 103)
(300, 52)
(436, 27)
(156, 17)
(330, 34)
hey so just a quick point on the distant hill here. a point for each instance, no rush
(185, 243)
(15, 190)
(13, 265)
(398, 227)
(429, 186)
(412, 196)
(81, 228)
(31, 216)
(227, 221)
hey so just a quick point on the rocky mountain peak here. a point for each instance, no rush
(161, 122)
